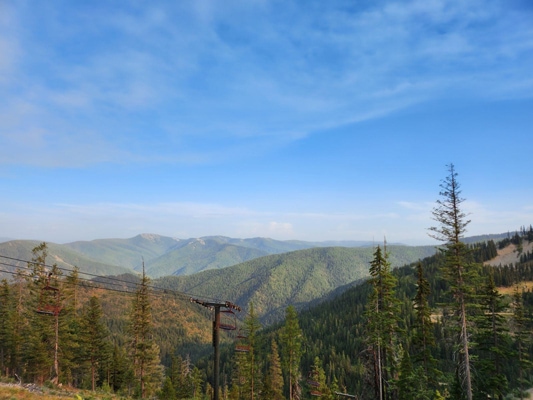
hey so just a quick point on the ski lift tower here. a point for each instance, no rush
(225, 307)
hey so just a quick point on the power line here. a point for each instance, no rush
(102, 279)
(116, 282)
(69, 270)
(86, 283)
(69, 283)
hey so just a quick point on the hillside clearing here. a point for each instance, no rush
(509, 290)
(509, 254)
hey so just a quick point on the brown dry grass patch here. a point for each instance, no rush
(526, 285)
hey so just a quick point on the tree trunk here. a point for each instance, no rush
(55, 379)
(464, 341)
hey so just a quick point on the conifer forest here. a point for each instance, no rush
(449, 326)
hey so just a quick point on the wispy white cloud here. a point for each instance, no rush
(250, 74)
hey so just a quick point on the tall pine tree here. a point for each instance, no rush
(493, 345)
(382, 319)
(273, 382)
(522, 336)
(95, 347)
(457, 270)
(41, 350)
(423, 339)
(291, 350)
(5, 328)
(253, 373)
(144, 350)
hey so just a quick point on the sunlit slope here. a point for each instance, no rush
(298, 278)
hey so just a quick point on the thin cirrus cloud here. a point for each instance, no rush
(250, 75)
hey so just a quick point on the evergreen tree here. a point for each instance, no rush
(334, 388)
(121, 373)
(457, 271)
(175, 375)
(412, 382)
(16, 323)
(239, 374)
(70, 331)
(247, 371)
(406, 387)
(183, 377)
(167, 392)
(316, 382)
(291, 350)
(273, 383)
(95, 347)
(144, 350)
(41, 351)
(253, 373)
(5, 329)
(382, 319)
(423, 339)
(197, 381)
(492, 345)
(522, 336)
(209, 391)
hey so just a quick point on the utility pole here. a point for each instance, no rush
(227, 305)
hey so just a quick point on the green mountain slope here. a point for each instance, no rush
(127, 253)
(335, 328)
(298, 278)
(198, 256)
(63, 256)
(266, 245)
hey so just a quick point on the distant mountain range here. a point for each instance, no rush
(161, 255)
(164, 256)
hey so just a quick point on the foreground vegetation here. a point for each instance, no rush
(11, 391)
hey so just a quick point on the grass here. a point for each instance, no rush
(15, 392)
(525, 285)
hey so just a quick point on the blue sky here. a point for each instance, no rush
(311, 120)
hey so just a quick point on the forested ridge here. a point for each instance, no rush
(335, 331)
(295, 278)
(448, 326)
(332, 342)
